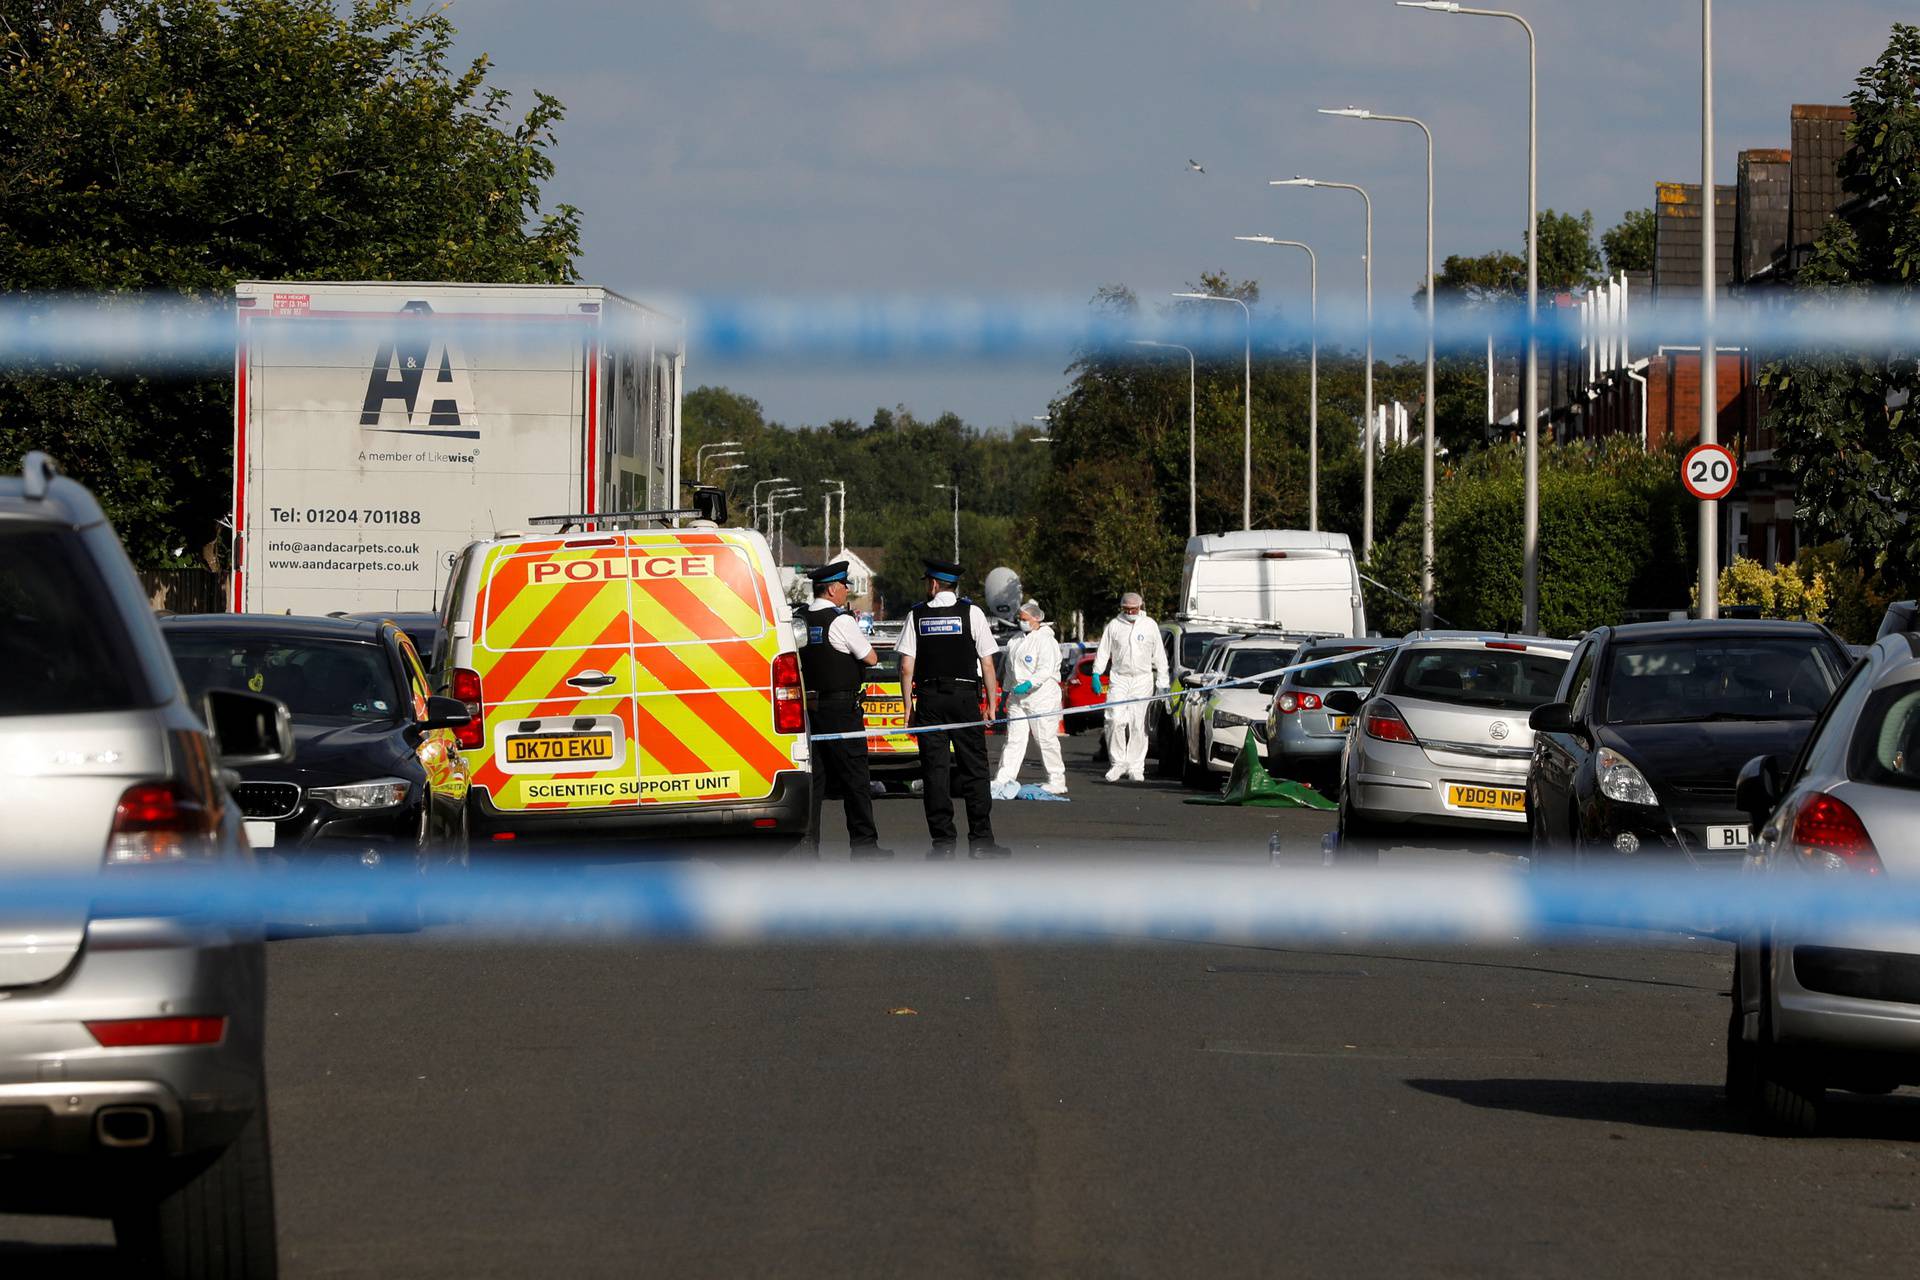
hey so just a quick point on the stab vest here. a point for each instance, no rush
(827, 670)
(944, 642)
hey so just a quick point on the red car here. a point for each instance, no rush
(1078, 697)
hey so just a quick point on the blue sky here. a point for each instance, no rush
(984, 147)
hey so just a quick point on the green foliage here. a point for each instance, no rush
(176, 146)
(1856, 458)
(1857, 600)
(1795, 592)
(1568, 260)
(890, 467)
(1629, 243)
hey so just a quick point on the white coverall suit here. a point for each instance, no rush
(1033, 658)
(1134, 664)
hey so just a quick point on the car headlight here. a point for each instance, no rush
(1619, 780)
(1228, 720)
(380, 793)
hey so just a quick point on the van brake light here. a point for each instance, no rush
(466, 687)
(789, 700)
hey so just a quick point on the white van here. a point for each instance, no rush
(1299, 582)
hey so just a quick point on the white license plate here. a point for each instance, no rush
(1719, 838)
(260, 834)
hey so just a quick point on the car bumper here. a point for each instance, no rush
(1671, 834)
(56, 1079)
(783, 814)
(1224, 747)
(1860, 1000)
(1396, 783)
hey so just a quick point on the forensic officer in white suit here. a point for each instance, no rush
(1132, 663)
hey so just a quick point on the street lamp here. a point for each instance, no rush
(1246, 462)
(1426, 464)
(841, 485)
(1193, 488)
(1313, 376)
(777, 495)
(1366, 429)
(754, 506)
(1530, 411)
(780, 521)
(731, 466)
(700, 454)
(955, 487)
(699, 466)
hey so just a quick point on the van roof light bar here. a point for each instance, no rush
(609, 517)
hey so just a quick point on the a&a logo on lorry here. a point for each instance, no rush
(417, 369)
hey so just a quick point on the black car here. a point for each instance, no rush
(422, 628)
(376, 778)
(1640, 750)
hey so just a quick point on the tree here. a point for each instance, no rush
(1568, 258)
(177, 146)
(1845, 419)
(1629, 243)
(1568, 261)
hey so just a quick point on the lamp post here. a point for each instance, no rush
(780, 522)
(1709, 342)
(1426, 464)
(1246, 461)
(1313, 375)
(754, 506)
(1193, 487)
(777, 495)
(700, 464)
(700, 454)
(1530, 396)
(841, 486)
(731, 466)
(955, 487)
(1366, 429)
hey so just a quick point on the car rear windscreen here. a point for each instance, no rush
(62, 644)
(1349, 673)
(1723, 678)
(1502, 679)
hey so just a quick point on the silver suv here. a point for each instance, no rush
(131, 1076)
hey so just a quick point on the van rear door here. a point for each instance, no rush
(1307, 590)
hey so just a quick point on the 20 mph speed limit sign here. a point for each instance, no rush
(1709, 471)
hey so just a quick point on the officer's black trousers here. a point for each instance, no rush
(841, 768)
(954, 761)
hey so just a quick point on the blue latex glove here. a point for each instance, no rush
(1099, 685)
(1025, 686)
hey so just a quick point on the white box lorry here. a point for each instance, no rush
(380, 427)
(1284, 579)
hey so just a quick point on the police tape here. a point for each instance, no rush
(954, 725)
(1059, 899)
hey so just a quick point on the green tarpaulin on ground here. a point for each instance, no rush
(1251, 784)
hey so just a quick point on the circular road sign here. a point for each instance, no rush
(1709, 471)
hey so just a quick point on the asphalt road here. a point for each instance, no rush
(444, 1106)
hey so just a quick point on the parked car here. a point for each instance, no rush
(1186, 644)
(1839, 1008)
(376, 778)
(895, 757)
(1081, 705)
(1218, 709)
(1304, 736)
(1442, 740)
(426, 632)
(132, 1084)
(1638, 751)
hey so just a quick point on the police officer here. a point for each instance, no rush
(832, 662)
(946, 660)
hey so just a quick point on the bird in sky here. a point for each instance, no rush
(1196, 166)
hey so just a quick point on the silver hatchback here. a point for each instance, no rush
(1304, 736)
(1841, 1009)
(131, 1077)
(1443, 738)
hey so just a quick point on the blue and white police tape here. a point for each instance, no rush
(1243, 683)
(1059, 899)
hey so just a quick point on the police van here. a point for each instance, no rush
(639, 682)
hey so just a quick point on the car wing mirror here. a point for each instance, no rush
(1757, 792)
(1270, 687)
(446, 713)
(248, 728)
(1553, 717)
(1342, 702)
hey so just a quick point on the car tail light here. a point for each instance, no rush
(1287, 703)
(789, 700)
(1829, 836)
(1509, 645)
(1309, 702)
(466, 687)
(160, 822)
(1385, 722)
(130, 1033)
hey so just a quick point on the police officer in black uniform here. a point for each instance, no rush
(832, 661)
(946, 660)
